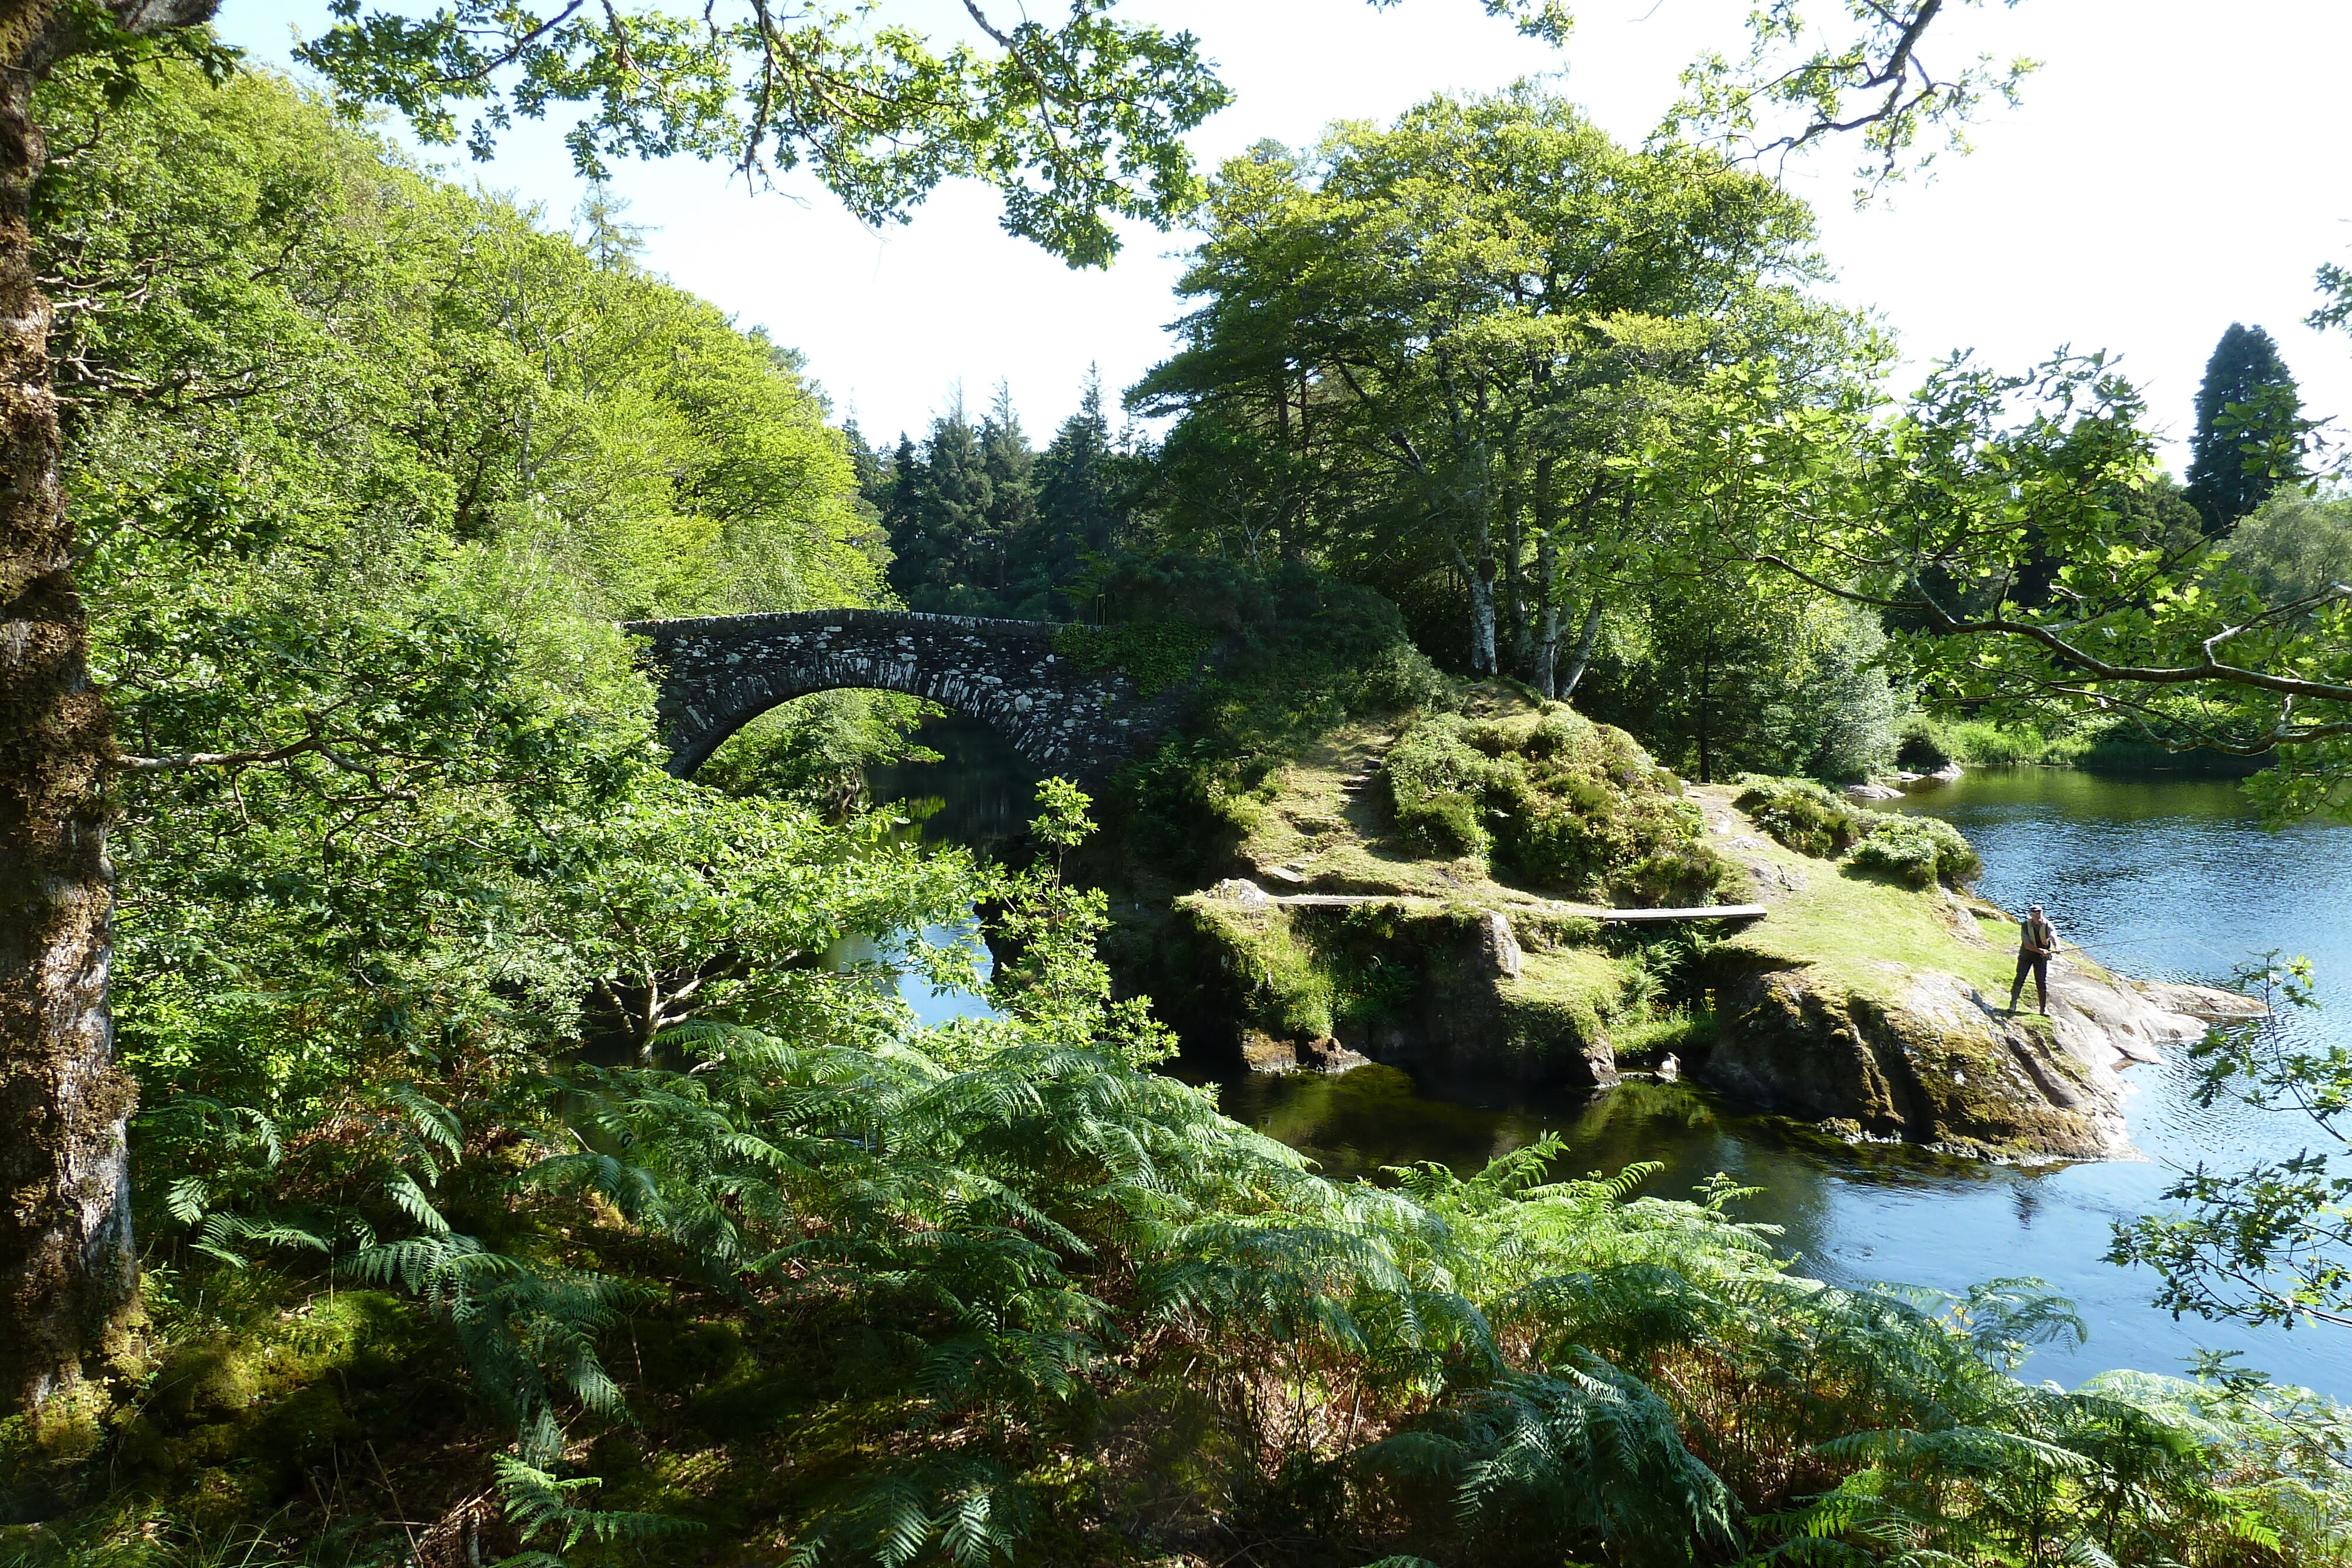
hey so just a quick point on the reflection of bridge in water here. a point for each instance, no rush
(720, 672)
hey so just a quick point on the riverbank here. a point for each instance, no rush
(1928, 743)
(2170, 877)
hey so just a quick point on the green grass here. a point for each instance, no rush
(1851, 924)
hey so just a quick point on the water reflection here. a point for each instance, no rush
(979, 794)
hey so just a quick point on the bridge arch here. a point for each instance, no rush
(716, 673)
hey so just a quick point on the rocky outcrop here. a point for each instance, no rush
(1921, 1055)
(1324, 984)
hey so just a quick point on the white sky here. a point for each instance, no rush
(2175, 166)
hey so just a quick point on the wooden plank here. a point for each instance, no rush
(1638, 916)
(1714, 911)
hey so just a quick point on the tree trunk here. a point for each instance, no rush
(1514, 588)
(66, 1259)
(1583, 658)
(1706, 711)
(1479, 575)
(1546, 659)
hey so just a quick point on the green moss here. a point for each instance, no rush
(1276, 979)
(1556, 801)
(1558, 1002)
(1675, 1033)
(1155, 655)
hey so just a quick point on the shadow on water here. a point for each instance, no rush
(981, 793)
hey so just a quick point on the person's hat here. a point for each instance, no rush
(2032, 909)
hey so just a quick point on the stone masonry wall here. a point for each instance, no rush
(720, 672)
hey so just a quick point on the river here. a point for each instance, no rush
(2164, 877)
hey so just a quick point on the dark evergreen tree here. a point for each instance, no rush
(2247, 400)
(915, 569)
(1078, 491)
(874, 469)
(952, 515)
(1012, 511)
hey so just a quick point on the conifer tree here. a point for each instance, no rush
(1077, 489)
(914, 568)
(874, 470)
(951, 514)
(1012, 511)
(606, 234)
(2247, 400)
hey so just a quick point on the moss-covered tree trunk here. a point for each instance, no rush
(66, 1263)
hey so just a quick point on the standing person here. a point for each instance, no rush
(2037, 941)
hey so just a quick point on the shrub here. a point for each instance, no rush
(1399, 676)
(1560, 801)
(1932, 740)
(1805, 817)
(1922, 745)
(1155, 654)
(1437, 787)
(1918, 851)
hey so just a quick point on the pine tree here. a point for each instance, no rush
(2248, 399)
(1012, 490)
(953, 513)
(875, 472)
(914, 566)
(609, 239)
(1078, 490)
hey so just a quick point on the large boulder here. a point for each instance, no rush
(1921, 1055)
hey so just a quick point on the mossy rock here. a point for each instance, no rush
(1920, 1058)
(230, 1422)
(1402, 981)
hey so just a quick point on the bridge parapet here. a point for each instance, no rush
(719, 672)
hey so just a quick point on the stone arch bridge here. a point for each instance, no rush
(719, 672)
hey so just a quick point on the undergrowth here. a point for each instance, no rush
(1001, 1292)
(1155, 654)
(1917, 852)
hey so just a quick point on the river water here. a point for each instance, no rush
(2156, 875)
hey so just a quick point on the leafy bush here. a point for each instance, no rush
(1155, 654)
(1929, 741)
(1437, 787)
(1558, 800)
(1918, 851)
(1397, 677)
(1805, 817)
